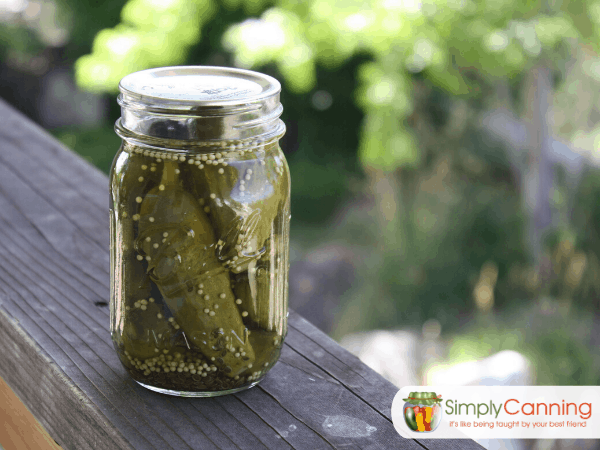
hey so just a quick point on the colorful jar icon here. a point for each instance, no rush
(422, 411)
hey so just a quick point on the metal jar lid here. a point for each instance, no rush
(200, 103)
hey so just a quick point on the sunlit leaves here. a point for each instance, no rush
(118, 44)
(176, 18)
(255, 42)
(278, 36)
(382, 89)
(153, 33)
(550, 30)
(298, 67)
(122, 50)
(594, 12)
(386, 144)
(435, 39)
(495, 37)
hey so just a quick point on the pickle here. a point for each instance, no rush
(258, 289)
(138, 283)
(138, 287)
(243, 198)
(253, 296)
(145, 335)
(199, 291)
(177, 240)
(270, 344)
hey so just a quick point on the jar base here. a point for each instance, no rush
(198, 394)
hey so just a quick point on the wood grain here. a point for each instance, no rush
(20, 429)
(58, 357)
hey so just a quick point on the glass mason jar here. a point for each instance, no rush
(199, 216)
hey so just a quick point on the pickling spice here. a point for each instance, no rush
(200, 210)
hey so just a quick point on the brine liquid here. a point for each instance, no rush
(199, 260)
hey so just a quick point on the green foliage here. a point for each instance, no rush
(152, 33)
(404, 38)
(88, 17)
(98, 146)
(47, 24)
(277, 37)
(18, 39)
(556, 342)
(562, 360)
(484, 342)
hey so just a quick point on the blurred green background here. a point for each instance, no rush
(444, 154)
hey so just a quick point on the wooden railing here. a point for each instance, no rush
(58, 358)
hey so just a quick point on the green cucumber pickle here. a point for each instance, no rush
(200, 261)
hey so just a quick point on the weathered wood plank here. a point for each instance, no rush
(328, 408)
(309, 341)
(58, 402)
(58, 357)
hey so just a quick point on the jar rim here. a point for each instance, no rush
(184, 146)
(200, 103)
